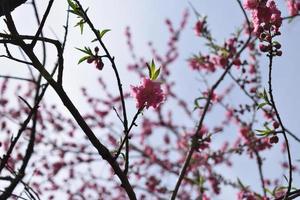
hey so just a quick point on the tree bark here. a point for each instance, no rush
(9, 5)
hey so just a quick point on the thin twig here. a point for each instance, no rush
(195, 136)
(115, 69)
(127, 134)
(102, 150)
(280, 122)
(17, 78)
(41, 23)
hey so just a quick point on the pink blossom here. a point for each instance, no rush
(264, 14)
(251, 4)
(244, 132)
(205, 197)
(245, 195)
(203, 63)
(199, 27)
(293, 7)
(148, 94)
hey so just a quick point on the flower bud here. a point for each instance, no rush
(279, 53)
(277, 45)
(90, 60)
(99, 64)
(264, 48)
(274, 139)
(275, 125)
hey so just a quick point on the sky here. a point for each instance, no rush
(146, 20)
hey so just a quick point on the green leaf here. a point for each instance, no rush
(153, 72)
(81, 25)
(269, 191)
(266, 98)
(101, 34)
(152, 66)
(86, 10)
(83, 59)
(241, 184)
(72, 4)
(200, 181)
(196, 103)
(75, 12)
(74, 8)
(123, 155)
(149, 70)
(86, 50)
(261, 105)
(264, 132)
(264, 95)
(286, 178)
(156, 74)
(152, 69)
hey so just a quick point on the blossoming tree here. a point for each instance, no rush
(163, 147)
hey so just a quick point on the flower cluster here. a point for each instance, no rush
(265, 17)
(251, 4)
(202, 62)
(96, 60)
(293, 7)
(158, 146)
(148, 94)
(221, 56)
(246, 195)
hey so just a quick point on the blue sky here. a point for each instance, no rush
(146, 19)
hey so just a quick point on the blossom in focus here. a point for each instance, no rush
(149, 93)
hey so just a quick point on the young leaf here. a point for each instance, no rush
(83, 59)
(196, 103)
(152, 70)
(101, 34)
(156, 74)
(269, 191)
(261, 105)
(266, 98)
(74, 8)
(149, 70)
(123, 155)
(72, 4)
(74, 12)
(241, 184)
(264, 132)
(86, 50)
(152, 66)
(81, 25)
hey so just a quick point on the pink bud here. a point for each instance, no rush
(90, 60)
